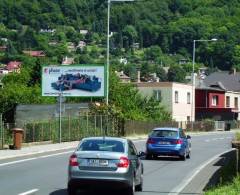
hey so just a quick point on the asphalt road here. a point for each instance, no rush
(47, 174)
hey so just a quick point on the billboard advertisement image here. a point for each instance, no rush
(75, 81)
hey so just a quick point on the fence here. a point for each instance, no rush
(1, 132)
(77, 127)
(72, 128)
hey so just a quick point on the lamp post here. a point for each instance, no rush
(193, 70)
(108, 36)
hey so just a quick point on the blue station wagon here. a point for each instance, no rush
(168, 142)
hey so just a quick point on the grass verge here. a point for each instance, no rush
(227, 189)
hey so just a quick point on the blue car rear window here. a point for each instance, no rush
(164, 133)
(102, 145)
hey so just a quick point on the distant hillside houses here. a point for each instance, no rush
(83, 32)
(35, 53)
(67, 61)
(11, 67)
(52, 31)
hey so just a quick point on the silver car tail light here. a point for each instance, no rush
(73, 161)
(123, 163)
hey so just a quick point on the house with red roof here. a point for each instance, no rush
(14, 66)
(35, 53)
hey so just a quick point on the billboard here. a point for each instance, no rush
(73, 81)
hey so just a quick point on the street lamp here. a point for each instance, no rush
(108, 36)
(193, 70)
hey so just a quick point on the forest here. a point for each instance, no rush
(149, 34)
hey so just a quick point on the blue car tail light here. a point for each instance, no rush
(151, 141)
(178, 141)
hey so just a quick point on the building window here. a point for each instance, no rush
(188, 118)
(215, 100)
(188, 98)
(157, 95)
(176, 96)
(228, 101)
(236, 102)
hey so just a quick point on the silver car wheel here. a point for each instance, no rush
(139, 187)
(133, 186)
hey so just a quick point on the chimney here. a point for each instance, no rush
(138, 76)
(234, 71)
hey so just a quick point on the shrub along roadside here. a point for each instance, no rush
(227, 189)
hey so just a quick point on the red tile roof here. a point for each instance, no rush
(13, 65)
(35, 53)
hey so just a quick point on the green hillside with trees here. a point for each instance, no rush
(149, 34)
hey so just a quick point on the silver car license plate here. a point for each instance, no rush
(103, 162)
(97, 162)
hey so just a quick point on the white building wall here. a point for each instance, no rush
(232, 96)
(182, 110)
(179, 111)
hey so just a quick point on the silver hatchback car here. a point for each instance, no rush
(105, 162)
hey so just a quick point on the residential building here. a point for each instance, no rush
(53, 43)
(52, 31)
(67, 61)
(123, 77)
(230, 82)
(210, 103)
(3, 48)
(3, 71)
(14, 66)
(175, 97)
(81, 44)
(34, 53)
(123, 61)
(136, 45)
(71, 47)
(183, 61)
(83, 32)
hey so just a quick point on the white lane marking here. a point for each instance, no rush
(35, 158)
(29, 192)
(177, 190)
(45, 156)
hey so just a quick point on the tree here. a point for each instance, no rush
(130, 34)
(236, 57)
(152, 53)
(176, 74)
(161, 74)
(133, 106)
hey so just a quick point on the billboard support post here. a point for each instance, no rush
(60, 116)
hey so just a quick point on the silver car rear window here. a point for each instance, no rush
(164, 133)
(102, 145)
